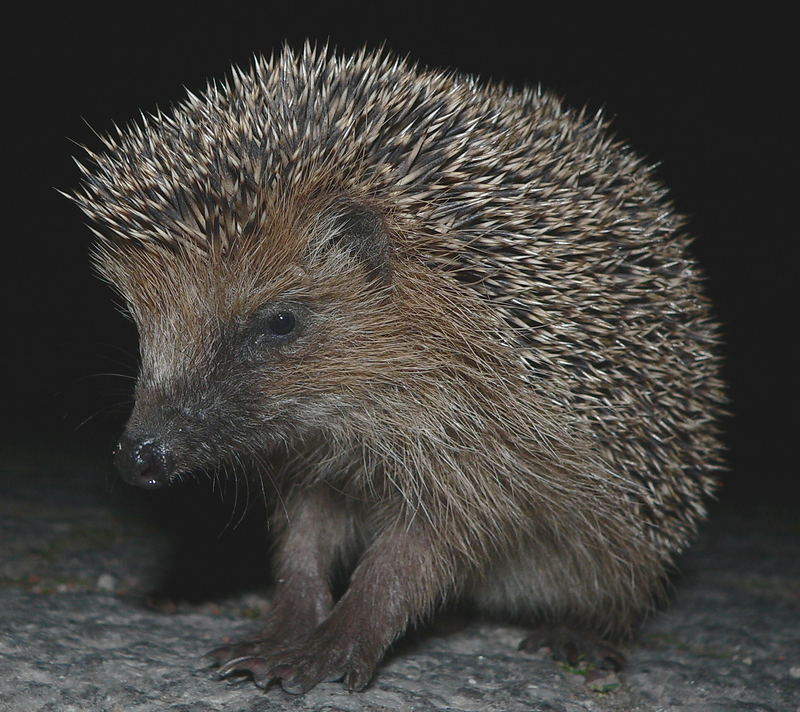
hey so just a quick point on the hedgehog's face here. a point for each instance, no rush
(236, 360)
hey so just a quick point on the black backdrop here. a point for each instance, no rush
(702, 100)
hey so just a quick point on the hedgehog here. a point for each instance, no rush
(450, 327)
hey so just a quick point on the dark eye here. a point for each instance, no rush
(282, 323)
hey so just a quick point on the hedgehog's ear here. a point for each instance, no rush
(357, 228)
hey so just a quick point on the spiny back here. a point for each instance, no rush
(369, 122)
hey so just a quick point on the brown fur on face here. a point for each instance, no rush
(501, 382)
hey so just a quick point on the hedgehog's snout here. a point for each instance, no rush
(143, 462)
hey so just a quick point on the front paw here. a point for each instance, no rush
(349, 661)
(283, 630)
(324, 657)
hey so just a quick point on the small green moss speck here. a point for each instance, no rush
(579, 669)
(603, 688)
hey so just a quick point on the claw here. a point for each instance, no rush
(293, 680)
(217, 656)
(259, 668)
(290, 681)
(356, 681)
(229, 668)
(230, 651)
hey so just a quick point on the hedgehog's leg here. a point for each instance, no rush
(400, 578)
(311, 531)
(556, 594)
(573, 647)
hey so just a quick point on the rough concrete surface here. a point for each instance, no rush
(78, 630)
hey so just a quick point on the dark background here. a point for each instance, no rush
(703, 100)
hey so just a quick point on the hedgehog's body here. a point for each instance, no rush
(461, 319)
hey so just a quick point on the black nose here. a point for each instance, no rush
(142, 462)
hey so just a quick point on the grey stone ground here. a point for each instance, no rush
(76, 560)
